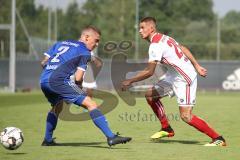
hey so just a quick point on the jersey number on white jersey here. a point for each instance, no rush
(171, 42)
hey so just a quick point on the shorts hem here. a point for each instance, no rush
(186, 105)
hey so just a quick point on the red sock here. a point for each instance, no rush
(202, 126)
(159, 111)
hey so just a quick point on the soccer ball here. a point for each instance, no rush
(11, 138)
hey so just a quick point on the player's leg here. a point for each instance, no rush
(97, 116)
(51, 123)
(153, 99)
(201, 125)
(73, 94)
(186, 99)
(89, 86)
(100, 121)
(52, 116)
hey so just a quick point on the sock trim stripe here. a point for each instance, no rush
(161, 112)
(161, 107)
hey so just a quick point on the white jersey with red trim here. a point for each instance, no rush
(167, 51)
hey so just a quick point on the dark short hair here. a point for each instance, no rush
(93, 28)
(148, 19)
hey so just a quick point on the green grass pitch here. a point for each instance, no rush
(82, 140)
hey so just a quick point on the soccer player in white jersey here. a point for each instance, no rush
(180, 80)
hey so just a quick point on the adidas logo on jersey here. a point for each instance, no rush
(233, 81)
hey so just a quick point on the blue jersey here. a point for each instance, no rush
(64, 59)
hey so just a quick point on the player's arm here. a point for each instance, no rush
(201, 70)
(44, 61)
(155, 55)
(79, 77)
(146, 73)
(97, 61)
(47, 55)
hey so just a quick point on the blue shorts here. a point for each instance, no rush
(67, 91)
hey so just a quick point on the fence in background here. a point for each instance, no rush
(222, 75)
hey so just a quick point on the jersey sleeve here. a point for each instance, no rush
(84, 62)
(50, 50)
(155, 52)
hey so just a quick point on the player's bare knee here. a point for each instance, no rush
(55, 112)
(186, 113)
(148, 98)
(89, 103)
(186, 117)
(57, 109)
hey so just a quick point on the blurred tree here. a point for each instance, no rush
(230, 36)
(35, 20)
(191, 22)
(173, 15)
(5, 18)
(70, 23)
(116, 19)
(5, 11)
(230, 26)
(188, 21)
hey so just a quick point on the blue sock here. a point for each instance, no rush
(101, 122)
(50, 125)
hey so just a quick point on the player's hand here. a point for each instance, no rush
(201, 71)
(125, 85)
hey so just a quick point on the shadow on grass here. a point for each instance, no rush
(176, 141)
(16, 153)
(91, 144)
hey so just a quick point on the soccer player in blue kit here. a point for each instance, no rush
(62, 60)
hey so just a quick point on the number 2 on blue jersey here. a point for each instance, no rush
(61, 50)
